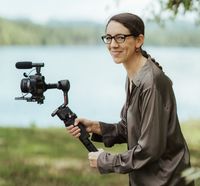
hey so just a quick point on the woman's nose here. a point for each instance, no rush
(114, 43)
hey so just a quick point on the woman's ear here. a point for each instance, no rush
(139, 40)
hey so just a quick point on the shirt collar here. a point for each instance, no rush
(137, 78)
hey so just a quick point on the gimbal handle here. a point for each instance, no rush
(68, 117)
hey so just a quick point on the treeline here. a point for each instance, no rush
(25, 32)
(178, 33)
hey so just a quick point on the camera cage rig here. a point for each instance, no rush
(35, 85)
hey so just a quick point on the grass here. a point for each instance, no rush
(40, 157)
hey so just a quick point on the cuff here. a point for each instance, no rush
(105, 163)
(109, 132)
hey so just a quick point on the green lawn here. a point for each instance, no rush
(41, 157)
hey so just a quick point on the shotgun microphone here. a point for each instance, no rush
(27, 65)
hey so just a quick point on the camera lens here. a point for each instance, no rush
(25, 86)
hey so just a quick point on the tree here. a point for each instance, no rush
(188, 5)
(178, 7)
(171, 9)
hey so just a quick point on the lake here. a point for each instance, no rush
(97, 83)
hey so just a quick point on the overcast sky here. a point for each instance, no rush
(44, 10)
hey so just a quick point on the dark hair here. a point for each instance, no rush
(136, 27)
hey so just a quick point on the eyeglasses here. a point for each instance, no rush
(119, 38)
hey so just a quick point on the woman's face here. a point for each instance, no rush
(120, 52)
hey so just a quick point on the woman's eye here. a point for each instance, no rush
(108, 38)
(120, 37)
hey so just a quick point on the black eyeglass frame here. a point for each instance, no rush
(114, 37)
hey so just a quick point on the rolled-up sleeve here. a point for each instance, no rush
(112, 133)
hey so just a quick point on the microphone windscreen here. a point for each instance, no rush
(23, 65)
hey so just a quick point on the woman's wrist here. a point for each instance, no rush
(96, 127)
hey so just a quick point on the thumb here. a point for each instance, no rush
(77, 121)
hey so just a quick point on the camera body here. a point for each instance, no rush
(36, 85)
(33, 84)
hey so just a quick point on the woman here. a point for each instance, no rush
(157, 152)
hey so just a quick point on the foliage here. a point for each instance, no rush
(191, 174)
(188, 5)
(24, 32)
(191, 132)
(18, 32)
(179, 7)
(38, 157)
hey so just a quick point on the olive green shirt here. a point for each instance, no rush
(157, 152)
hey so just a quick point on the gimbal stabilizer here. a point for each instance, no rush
(36, 86)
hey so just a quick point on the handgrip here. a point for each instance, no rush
(68, 117)
(84, 138)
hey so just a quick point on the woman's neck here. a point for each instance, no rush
(134, 65)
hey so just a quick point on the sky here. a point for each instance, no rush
(95, 10)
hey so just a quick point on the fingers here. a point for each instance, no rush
(93, 156)
(87, 123)
(93, 163)
(74, 130)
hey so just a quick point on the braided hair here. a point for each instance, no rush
(136, 27)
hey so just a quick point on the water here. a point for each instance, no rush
(97, 83)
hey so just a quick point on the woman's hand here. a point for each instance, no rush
(91, 126)
(93, 156)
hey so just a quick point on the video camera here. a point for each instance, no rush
(36, 86)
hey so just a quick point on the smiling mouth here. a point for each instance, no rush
(115, 53)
